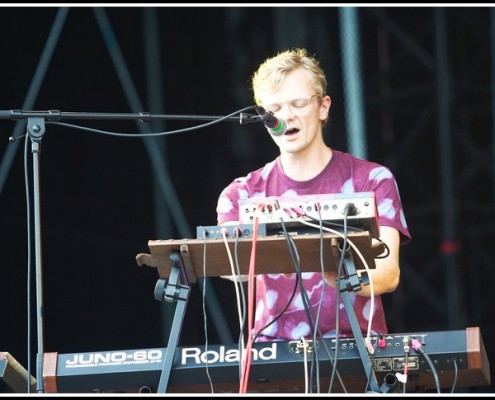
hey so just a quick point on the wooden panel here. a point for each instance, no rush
(210, 257)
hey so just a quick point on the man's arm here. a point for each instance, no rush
(386, 275)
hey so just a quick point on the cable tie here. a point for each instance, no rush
(369, 346)
(402, 378)
(299, 212)
(381, 341)
(415, 344)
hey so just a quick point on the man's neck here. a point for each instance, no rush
(305, 166)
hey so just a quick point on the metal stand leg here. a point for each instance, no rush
(171, 290)
(352, 282)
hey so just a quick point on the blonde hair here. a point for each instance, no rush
(273, 70)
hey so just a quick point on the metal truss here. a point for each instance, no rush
(431, 89)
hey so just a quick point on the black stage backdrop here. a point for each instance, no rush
(100, 202)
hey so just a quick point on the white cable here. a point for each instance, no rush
(305, 347)
(231, 262)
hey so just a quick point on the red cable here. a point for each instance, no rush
(246, 366)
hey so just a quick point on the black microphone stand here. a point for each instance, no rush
(36, 123)
(35, 131)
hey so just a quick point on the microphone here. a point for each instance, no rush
(276, 127)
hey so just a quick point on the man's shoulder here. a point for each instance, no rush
(255, 176)
(342, 156)
(261, 171)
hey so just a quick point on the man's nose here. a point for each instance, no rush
(285, 112)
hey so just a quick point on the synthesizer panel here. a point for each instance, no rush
(329, 208)
(459, 358)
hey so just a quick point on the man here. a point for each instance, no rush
(293, 86)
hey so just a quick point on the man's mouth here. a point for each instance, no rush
(292, 131)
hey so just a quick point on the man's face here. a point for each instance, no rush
(296, 102)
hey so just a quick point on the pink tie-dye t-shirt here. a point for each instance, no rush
(343, 174)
